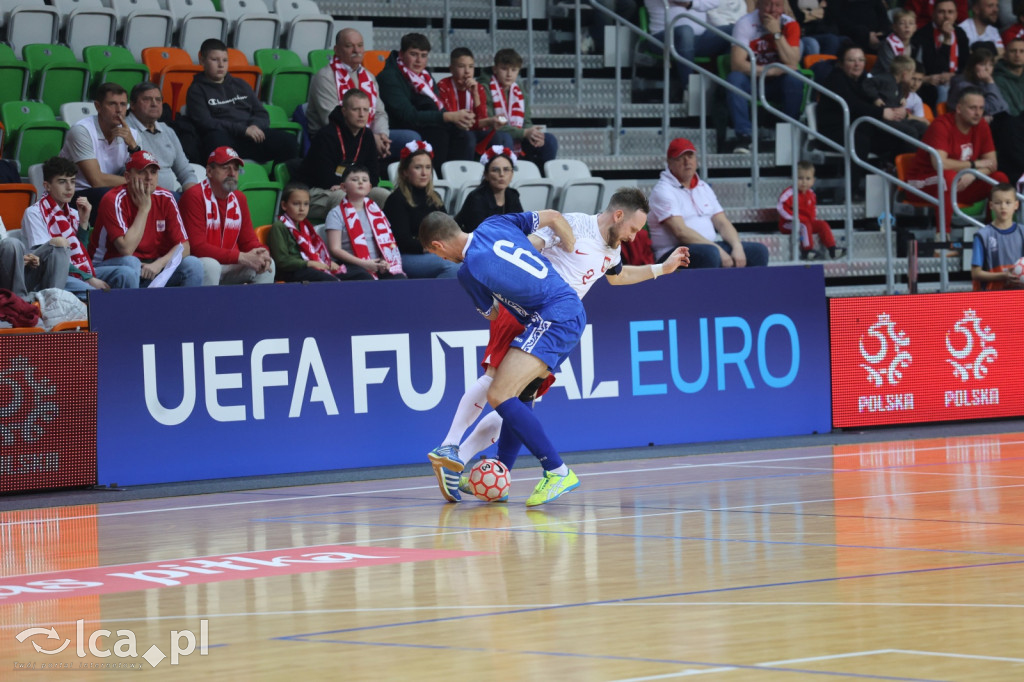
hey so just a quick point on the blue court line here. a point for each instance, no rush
(627, 600)
(606, 657)
(641, 536)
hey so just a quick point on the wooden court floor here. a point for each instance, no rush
(894, 561)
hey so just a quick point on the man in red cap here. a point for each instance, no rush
(218, 223)
(686, 212)
(139, 220)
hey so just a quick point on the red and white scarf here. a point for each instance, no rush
(311, 247)
(343, 79)
(953, 56)
(896, 44)
(381, 234)
(63, 223)
(421, 82)
(513, 109)
(232, 225)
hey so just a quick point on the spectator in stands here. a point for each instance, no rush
(411, 99)
(226, 111)
(26, 270)
(1009, 76)
(345, 140)
(864, 22)
(461, 90)
(299, 253)
(53, 220)
(942, 47)
(686, 212)
(891, 90)
(980, 28)
(1015, 30)
(99, 145)
(344, 72)
(724, 17)
(414, 197)
(690, 39)
(897, 43)
(508, 99)
(1008, 130)
(806, 214)
(914, 103)
(218, 223)
(774, 37)
(819, 26)
(924, 9)
(998, 245)
(141, 220)
(963, 140)
(979, 73)
(157, 138)
(493, 196)
(376, 253)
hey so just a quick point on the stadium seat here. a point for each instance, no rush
(199, 170)
(14, 75)
(287, 78)
(304, 25)
(31, 21)
(526, 170)
(581, 195)
(462, 173)
(71, 326)
(239, 66)
(195, 21)
(252, 26)
(812, 59)
(174, 84)
(563, 170)
(72, 112)
(21, 330)
(114, 64)
(373, 60)
(261, 233)
(318, 59)
(263, 199)
(279, 120)
(536, 195)
(282, 173)
(86, 22)
(33, 132)
(15, 197)
(35, 177)
(143, 24)
(928, 113)
(157, 59)
(56, 75)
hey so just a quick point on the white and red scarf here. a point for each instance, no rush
(63, 223)
(514, 109)
(232, 224)
(421, 82)
(381, 234)
(343, 79)
(954, 57)
(311, 247)
(896, 44)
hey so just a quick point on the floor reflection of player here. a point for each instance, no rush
(595, 253)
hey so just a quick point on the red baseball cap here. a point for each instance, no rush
(680, 146)
(141, 159)
(222, 155)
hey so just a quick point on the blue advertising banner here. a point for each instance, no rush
(239, 381)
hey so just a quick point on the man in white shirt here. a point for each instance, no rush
(686, 212)
(981, 26)
(691, 39)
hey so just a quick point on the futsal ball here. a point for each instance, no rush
(489, 480)
(1018, 268)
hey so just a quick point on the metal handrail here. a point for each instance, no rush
(888, 178)
(848, 221)
(981, 176)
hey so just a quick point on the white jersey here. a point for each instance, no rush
(591, 258)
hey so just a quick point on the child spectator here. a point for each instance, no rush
(915, 105)
(904, 24)
(807, 214)
(507, 99)
(347, 240)
(298, 252)
(462, 91)
(890, 90)
(998, 245)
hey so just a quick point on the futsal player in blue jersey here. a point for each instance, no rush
(500, 266)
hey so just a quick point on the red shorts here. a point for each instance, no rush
(504, 329)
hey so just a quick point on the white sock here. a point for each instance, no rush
(472, 404)
(484, 436)
(561, 471)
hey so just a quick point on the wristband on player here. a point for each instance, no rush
(657, 270)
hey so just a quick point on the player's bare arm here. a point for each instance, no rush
(634, 274)
(560, 226)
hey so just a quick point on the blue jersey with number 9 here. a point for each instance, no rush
(500, 262)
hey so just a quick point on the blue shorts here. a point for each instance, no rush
(551, 341)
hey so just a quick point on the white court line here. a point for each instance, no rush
(949, 655)
(709, 671)
(858, 604)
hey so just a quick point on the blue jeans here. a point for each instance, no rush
(120, 273)
(785, 88)
(707, 44)
(399, 138)
(708, 255)
(499, 138)
(188, 274)
(427, 266)
(821, 43)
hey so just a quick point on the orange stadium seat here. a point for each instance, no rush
(174, 85)
(373, 60)
(261, 233)
(158, 59)
(15, 197)
(812, 59)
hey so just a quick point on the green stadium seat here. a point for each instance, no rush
(263, 199)
(285, 78)
(282, 174)
(56, 75)
(33, 131)
(14, 76)
(114, 64)
(318, 59)
(279, 119)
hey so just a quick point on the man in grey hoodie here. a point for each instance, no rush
(227, 113)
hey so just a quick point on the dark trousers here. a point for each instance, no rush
(450, 144)
(277, 146)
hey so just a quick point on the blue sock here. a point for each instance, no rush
(509, 446)
(524, 423)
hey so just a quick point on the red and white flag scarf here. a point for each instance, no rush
(64, 223)
(513, 109)
(421, 82)
(311, 247)
(381, 234)
(953, 56)
(896, 44)
(343, 79)
(232, 225)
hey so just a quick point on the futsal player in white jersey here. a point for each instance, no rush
(596, 253)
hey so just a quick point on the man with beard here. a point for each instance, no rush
(219, 227)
